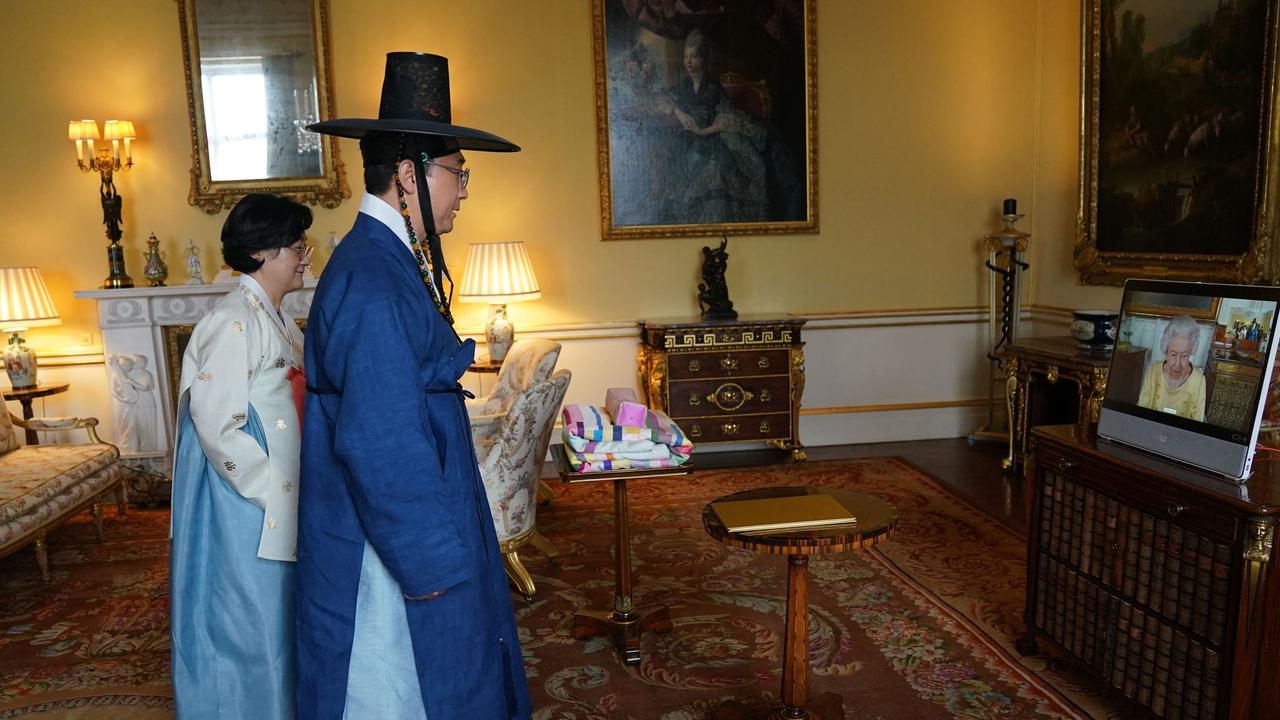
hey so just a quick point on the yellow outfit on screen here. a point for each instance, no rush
(1186, 401)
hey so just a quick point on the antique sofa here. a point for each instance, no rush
(43, 485)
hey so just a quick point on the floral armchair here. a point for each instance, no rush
(511, 465)
(42, 485)
(528, 362)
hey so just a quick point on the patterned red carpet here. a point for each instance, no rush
(921, 628)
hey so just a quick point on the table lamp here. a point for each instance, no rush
(498, 273)
(24, 303)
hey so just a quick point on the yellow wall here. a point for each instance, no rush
(931, 111)
(1054, 280)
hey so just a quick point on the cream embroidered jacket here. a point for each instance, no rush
(239, 355)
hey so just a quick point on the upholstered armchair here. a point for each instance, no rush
(528, 362)
(511, 464)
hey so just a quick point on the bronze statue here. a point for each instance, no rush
(713, 293)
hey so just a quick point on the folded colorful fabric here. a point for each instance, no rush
(580, 465)
(608, 446)
(643, 450)
(593, 443)
(592, 423)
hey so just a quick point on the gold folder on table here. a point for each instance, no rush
(795, 512)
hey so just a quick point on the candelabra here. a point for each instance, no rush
(1004, 249)
(305, 114)
(106, 162)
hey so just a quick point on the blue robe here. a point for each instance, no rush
(232, 624)
(387, 459)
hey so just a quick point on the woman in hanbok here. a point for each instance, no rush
(235, 478)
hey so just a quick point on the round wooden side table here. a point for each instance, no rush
(484, 365)
(876, 520)
(27, 395)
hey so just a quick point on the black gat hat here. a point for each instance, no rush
(415, 100)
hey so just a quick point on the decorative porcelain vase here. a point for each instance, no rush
(20, 362)
(1095, 329)
(499, 333)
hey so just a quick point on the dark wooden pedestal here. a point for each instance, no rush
(625, 622)
(875, 521)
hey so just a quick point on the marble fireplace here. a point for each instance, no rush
(144, 332)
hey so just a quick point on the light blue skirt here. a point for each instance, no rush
(231, 612)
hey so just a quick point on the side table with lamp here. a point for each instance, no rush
(498, 273)
(25, 303)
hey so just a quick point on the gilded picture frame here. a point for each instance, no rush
(724, 144)
(1178, 142)
(326, 185)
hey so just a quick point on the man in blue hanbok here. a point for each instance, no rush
(403, 607)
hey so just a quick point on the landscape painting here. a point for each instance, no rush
(1176, 95)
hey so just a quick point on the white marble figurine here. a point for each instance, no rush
(194, 272)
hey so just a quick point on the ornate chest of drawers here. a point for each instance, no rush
(727, 381)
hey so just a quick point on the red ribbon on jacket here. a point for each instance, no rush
(298, 381)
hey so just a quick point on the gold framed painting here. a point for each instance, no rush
(706, 117)
(1178, 146)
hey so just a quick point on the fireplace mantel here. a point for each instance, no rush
(135, 352)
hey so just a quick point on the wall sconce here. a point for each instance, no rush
(498, 273)
(106, 161)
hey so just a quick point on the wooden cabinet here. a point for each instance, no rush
(1156, 577)
(1051, 380)
(727, 381)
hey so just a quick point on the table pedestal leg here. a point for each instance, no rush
(795, 662)
(626, 622)
(33, 437)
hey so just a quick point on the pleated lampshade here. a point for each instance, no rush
(498, 273)
(24, 299)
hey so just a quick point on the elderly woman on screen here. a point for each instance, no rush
(1174, 385)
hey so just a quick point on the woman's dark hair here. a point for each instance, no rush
(261, 221)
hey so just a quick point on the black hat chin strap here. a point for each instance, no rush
(439, 271)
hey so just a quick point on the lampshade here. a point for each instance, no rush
(24, 299)
(498, 273)
(82, 130)
(117, 130)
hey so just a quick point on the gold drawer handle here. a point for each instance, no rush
(764, 426)
(1065, 465)
(763, 363)
(765, 396)
(695, 430)
(694, 366)
(729, 397)
(1174, 509)
(729, 364)
(729, 428)
(694, 399)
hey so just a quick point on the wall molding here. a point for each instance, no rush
(843, 346)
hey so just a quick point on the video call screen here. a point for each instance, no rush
(1192, 361)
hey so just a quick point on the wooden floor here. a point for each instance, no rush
(971, 472)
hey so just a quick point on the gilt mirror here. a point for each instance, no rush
(257, 74)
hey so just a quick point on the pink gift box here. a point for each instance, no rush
(624, 407)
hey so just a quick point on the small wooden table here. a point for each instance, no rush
(625, 622)
(484, 365)
(27, 395)
(876, 520)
